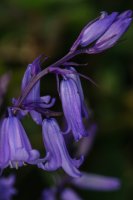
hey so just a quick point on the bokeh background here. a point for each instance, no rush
(31, 27)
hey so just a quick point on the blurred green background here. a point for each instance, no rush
(31, 27)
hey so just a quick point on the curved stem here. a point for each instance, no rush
(41, 74)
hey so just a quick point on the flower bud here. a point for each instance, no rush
(112, 35)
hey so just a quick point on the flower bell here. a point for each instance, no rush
(72, 107)
(15, 148)
(33, 99)
(74, 76)
(57, 155)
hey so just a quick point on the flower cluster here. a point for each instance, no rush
(15, 148)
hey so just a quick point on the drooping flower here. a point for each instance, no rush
(72, 105)
(15, 147)
(32, 70)
(113, 33)
(7, 191)
(33, 99)
(74, 76)
(57, 155)
(87, 181)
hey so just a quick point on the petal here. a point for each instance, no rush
(97, 182)
(34, 155)
(113, 34)
(4, 146)
(36, 117)
(26, 77)
(36, 66)
(34, 94)
(32, 70)
(78, 162)
(46, 99)
(49, 104)
(21, 155)
(125, 14)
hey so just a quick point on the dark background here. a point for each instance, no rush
(31, 27)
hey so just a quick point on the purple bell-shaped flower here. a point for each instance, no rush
(57, 155)
(33, 102)
(72, 104)
(15, 147)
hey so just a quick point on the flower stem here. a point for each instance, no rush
(36, 78)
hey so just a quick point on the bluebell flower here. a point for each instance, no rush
(113, 33)
(7, 190)
(74, 76)
(57, 155)
(87, 181)
(72, 105)
(94, 29)
(15, 147)
(105, 30)
(33, 99)
(32, 70)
